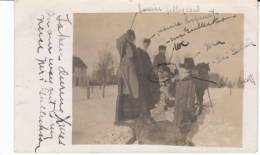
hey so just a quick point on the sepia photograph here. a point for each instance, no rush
(158, 79)
(135, 76)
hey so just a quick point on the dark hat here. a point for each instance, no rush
(147, 40)
(189, 62)
(131, 33)
(162, 47)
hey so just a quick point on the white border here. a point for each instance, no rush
(250, 110)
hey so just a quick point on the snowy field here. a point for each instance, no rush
(220, 125)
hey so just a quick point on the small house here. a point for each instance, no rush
(79, 72)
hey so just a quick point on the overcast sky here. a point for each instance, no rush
(96, 32)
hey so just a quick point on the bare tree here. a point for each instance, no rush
(240, 82)
(222, 81)
(229, 84)
(105, 70)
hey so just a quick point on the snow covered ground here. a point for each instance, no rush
(93, 119)
(220, 125)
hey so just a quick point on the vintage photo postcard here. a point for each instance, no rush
(136, 76)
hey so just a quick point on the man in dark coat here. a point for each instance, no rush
(201, 85)
(159, 64)
(149, 93)
(160, 58)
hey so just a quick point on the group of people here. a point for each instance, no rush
(137, 92)
(140, 80)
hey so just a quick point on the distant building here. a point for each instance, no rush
(79, 73)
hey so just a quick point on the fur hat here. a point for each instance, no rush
(162, 47)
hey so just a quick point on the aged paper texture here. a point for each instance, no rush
(135, 76)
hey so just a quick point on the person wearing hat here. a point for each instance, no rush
(149, 91)
(159, 65)
(160, 58)
(187, 69)
(128, 86)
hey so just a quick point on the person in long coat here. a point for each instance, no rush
(159, 64)
(202, 85)
(160, 58)
(128, 85)
(185, 110)
(149, 90)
